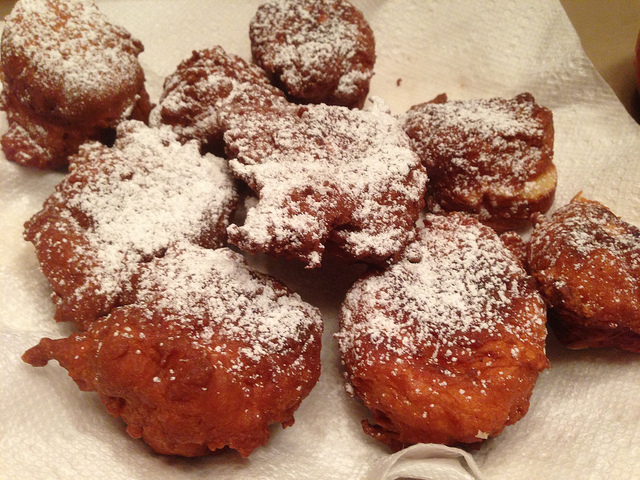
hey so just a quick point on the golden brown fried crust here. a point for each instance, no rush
(587, 262)
(68, 76)
(491, 158)
(461, 410)
(122, 206)
(58, 239)
(201, 410)
(201, 88)
(316, 51)
(185, 380)
(446, 345)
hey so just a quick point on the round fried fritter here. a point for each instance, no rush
(490, 157)
(124, 205)
(446, 345)
(68, 75)
(208, 355)
(326, 177)
(587, 262)
(317, 51)
(200, 88)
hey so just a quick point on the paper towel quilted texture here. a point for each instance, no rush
(584, 419)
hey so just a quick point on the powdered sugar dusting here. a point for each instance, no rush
(486, 118)
(202, 85)
(489, 140)
(466, 286)
(132, 201)
(489, 157)
(319, 168)
(72, 49)
(583, 247)
(587, 227)
(310, 43)
(214, 295)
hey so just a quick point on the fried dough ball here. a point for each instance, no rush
(490, 157)
(446, 345)
(326, 177)
(198, 91)
(207, 356)
(317, 51)
(124, 205)
(69, 76)
(587, 262)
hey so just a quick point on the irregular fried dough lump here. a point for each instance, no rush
(489, 157)
(316, 51)
(68, 76)
(195, 95)
(124, 205)
(587, 262)
(326, 177)
(208, 355)
(446, 345)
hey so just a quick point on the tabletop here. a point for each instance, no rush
(608, 32)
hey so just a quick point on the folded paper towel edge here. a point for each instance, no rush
(432, 457)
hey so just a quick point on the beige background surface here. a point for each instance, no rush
(608, 31)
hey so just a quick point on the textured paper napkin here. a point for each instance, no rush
(584, 420)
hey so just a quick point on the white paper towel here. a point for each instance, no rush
(584, 420)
